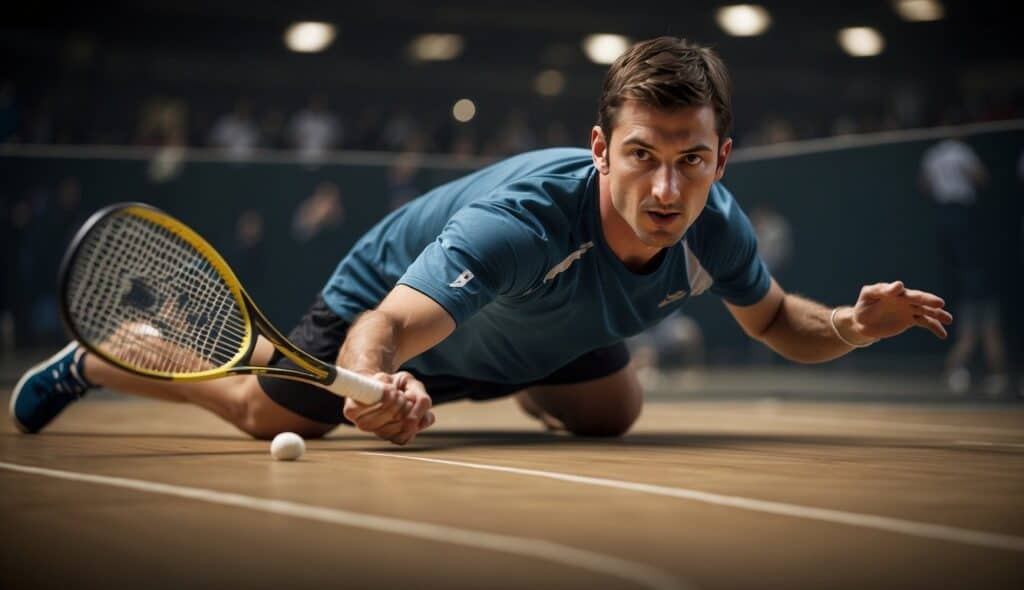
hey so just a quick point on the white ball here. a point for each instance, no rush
(287, 446)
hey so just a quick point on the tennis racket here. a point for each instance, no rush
(146, 293)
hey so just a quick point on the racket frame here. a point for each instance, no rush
(312, 368)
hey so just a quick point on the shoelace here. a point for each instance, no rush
(76, 385)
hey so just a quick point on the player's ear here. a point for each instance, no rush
(599, 149)
(723, 154)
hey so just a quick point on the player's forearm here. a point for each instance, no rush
(802, 331)
(371, 344)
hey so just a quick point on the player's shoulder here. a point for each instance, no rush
(721, 225)
(720, 207)
(549, 184)
(548, 172)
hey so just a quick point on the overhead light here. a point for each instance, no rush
(464, 110)
(604, 48)
(549, 83)
(920, 10)
(743, 20)
(861, 41)
(436, 47)
(309, 37)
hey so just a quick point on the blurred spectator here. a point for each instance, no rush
(773, 129)
(315, 130)
(43, 223)
(320, 211)
(464, 144)
(514, 137)
(236, 132)
(951, 174)
(246, 252)
(774, 238)
(775, 246)
(397, 131)
(9, 117)
(162, 122)
(401, 176)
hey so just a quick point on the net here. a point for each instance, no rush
(145, 296)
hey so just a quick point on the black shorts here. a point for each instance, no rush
(321, 333)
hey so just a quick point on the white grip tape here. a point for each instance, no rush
(359, 387)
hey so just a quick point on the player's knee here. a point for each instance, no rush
(606, 424)
(262, 418)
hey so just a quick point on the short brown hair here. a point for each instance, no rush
(667, 73)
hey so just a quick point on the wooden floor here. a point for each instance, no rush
(700, 495)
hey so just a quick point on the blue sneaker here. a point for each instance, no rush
(47, 388)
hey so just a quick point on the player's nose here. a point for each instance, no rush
(667, 185)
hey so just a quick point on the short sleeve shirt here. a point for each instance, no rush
(516, 255)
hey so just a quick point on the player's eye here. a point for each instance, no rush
(641, 154)
(693, 159)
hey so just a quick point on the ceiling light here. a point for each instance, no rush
(436, 47)
(743, 20)
(920, 10)
(309, 37)
(464, 110)
(604, 48)
(861, 41)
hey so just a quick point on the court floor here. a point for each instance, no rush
(701, 494)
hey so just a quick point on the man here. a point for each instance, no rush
(525, 277)
(952, 174)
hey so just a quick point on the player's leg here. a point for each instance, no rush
(596, 395)
(46, 389)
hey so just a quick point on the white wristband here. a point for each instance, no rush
(835, 328)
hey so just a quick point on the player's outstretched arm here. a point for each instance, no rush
(806, 331)
(404, 325)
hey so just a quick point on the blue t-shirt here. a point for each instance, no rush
(516, 254)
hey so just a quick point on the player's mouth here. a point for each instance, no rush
(663, 218)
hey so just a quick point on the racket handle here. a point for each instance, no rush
(357, 386)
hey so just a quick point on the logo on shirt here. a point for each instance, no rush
(462, 279)
(567, 262)
(674, 296)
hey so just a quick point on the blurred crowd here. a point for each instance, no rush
(318, 126)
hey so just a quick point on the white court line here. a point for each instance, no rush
(641, 574)
(885, 523)
(901, 425)
(981, 443)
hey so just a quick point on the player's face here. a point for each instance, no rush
(660, 166)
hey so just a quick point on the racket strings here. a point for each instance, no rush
(148, 297)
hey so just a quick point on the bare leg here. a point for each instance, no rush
(607, 406)
(239, 400)
(995, 351)
(963, 348)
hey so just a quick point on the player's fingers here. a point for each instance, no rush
(373, 420)
(354, 410)
(389, 431)
(427, 421)
(406, 434)
(420, 406)
(879, 290)
(931, 324)
(943, 316)
(923, 298)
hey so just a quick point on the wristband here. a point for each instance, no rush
(832, 320)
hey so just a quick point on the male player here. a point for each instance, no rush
(525, 278)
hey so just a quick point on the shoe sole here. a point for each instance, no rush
(29, 373)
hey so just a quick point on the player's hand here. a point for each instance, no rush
(887, 309)
(402, 412)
